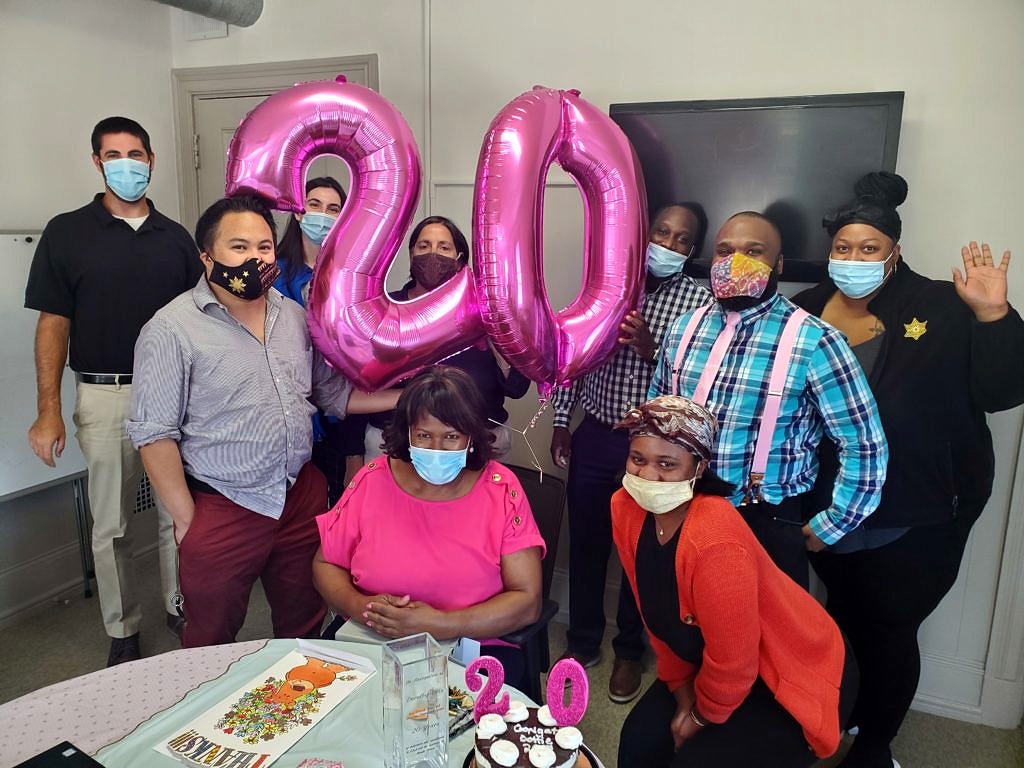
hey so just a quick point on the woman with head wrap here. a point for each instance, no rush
(938, 356)
(751, 670)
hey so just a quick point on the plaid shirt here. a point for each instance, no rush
(621, 383)
(825, 392)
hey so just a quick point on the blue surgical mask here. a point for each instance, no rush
(437, 467)
(315, 226)
(661, 262)
(127, 178)
(858, 279)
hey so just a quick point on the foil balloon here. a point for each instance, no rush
(372, 340)
(535, 129)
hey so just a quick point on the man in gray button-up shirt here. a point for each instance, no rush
(226, 380)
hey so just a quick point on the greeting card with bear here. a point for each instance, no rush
(259, 722)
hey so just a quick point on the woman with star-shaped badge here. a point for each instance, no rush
(938, 357)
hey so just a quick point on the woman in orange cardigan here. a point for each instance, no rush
(751, 670)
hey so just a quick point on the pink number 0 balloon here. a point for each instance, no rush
(535, 129)
(371, 339)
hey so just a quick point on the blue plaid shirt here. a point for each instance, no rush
(825, 393)
(621, 383)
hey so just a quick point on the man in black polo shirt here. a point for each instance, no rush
(98, 275)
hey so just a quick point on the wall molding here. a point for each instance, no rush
(192, 83)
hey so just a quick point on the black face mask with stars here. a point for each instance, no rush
(249, 280)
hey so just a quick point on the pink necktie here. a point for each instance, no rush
(718, 350)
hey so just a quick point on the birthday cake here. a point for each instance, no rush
(510, 734)
(527, 737)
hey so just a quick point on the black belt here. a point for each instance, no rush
(198, 486)
(104, 378)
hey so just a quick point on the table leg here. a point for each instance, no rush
(82, 521)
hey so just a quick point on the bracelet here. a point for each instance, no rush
(695, 716)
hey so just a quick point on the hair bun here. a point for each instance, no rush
(883, 187)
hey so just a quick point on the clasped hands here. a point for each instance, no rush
(393, 616)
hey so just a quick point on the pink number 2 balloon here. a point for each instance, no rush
(535, 129)
(371, 339)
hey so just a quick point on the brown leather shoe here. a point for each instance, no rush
(585, 661)
(624, 684)
(124, 649)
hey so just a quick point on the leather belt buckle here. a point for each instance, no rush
(116, 379)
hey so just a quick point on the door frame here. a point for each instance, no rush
(194, 83)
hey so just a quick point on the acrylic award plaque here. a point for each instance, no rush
(415, 679)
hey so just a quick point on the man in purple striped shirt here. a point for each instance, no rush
(225, 382)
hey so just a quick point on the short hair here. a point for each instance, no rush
(450, 396)
(206, 227)
(459, 239)
(699, 213)
(117, 124)
(766, 219)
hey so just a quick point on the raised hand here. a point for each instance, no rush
(984, 287)
(635, 333)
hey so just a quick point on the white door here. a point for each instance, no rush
(216, 119)
(210, 103)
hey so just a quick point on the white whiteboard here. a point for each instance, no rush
(21, 470)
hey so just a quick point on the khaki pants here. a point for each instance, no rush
(115, 472)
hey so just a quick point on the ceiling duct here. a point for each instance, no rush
(241, 13)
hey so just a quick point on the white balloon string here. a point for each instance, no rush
(533, 423)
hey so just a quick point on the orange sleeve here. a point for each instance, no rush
(725, 595)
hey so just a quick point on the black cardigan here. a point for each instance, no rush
(932, 393)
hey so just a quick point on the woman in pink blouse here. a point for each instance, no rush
(435, 536)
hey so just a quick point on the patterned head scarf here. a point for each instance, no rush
(675, 419)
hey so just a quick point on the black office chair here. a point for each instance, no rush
(547, 500)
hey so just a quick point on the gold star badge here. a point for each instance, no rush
(237, 285)
(915, 329)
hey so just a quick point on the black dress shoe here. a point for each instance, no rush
(124, 649)
(584, 661)
(176, 624)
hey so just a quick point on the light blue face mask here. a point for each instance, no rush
(437, 467)
(661, 262)
(127, 178)
(858, 279)
(315, 226)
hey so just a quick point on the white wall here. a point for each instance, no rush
(67, 64)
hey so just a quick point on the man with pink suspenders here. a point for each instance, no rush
(777, 379)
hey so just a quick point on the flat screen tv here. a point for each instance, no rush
(792, 158)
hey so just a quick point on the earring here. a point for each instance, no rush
(471, 449)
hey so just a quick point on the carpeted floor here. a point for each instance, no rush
(66, 639)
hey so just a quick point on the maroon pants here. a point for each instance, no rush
(228, 547)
